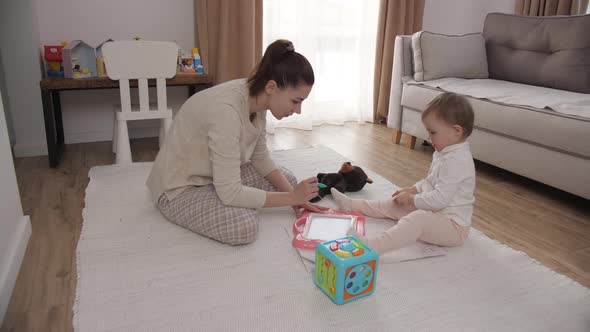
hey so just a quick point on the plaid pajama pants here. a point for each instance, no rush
(200, 210)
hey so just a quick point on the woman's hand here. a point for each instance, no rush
(411, 190)
(289, 196)
(309, 206)
(305, 190)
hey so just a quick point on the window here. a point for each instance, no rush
(338, 38)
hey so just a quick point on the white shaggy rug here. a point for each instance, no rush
(138, 272)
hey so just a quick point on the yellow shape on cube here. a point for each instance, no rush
(341, 253)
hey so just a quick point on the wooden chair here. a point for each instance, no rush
(139, 60)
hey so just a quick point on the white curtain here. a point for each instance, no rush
(338, 38)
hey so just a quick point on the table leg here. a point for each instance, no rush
(59, 126)
(53, 127)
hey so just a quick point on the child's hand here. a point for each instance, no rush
(405, 199)
(411, 190)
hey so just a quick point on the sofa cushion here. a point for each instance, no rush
(560, 132)
(546, 51)
(436, 55)
(510, 93)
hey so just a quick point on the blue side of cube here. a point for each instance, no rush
(342, 264)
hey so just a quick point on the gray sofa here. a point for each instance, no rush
(532, 104)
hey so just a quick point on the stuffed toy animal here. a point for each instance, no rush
(349, 178)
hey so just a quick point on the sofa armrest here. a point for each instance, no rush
(402, 66)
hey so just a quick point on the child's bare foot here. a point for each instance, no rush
(344, 203)
(354, 233)
(372, 242)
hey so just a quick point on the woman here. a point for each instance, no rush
(214, 169)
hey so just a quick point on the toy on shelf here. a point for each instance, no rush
(101, 70)
(197, 61)
(185, 63)
(53, 56)
(345, 269)
(79, 60)
(189, 63)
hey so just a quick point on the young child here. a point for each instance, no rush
(436, 209)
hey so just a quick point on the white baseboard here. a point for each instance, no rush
(15, 253)
(29, 150)
(88, 136)
(136, 130)
(144, 132)
(107, 135)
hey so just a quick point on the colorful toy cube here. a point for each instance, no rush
(345, 269)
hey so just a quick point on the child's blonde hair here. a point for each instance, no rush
(453, 109)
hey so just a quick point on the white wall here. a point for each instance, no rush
(15, 229)
(19, 42)
(88, 115)
(94, 21)
(4, 92)
(461, 16)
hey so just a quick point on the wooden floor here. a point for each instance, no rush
(551, 226)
